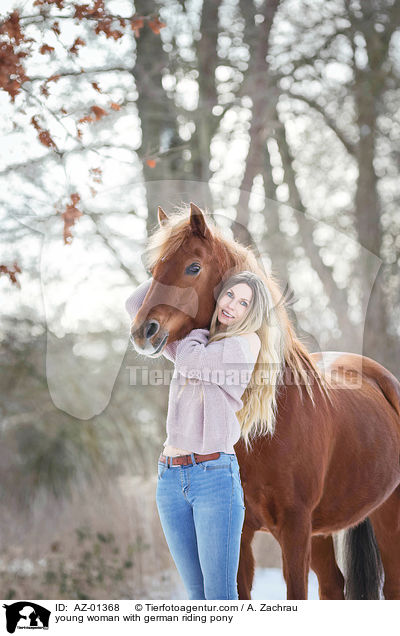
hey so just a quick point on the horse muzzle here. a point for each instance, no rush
(149, 339)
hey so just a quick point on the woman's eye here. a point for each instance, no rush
(194, 268)
(244, 303)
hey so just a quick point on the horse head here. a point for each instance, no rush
(188, 261)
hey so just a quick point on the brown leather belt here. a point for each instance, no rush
(185, 460)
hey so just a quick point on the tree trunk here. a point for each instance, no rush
(369, 91)
(157, 115)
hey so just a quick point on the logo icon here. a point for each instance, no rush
(26, 615)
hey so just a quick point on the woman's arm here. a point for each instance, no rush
(228, 362)
(135, 300)
(134, 303)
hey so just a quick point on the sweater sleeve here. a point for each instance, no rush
(135, 300)
(228, 362)
(134, 303)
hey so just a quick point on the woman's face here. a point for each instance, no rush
(234, 304)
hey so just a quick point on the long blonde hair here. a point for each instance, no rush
(260, 319)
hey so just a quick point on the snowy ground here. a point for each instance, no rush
(268, 585)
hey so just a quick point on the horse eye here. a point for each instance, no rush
(194, 268)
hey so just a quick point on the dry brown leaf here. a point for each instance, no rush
(11, 273)
(70, 216)
(98, 112)
(46, 49)
(156, 25)
(74, 48)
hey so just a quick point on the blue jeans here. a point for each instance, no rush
(201, 509)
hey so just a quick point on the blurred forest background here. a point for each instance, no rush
(282, 118)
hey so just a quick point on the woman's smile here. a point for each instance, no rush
(234, 303)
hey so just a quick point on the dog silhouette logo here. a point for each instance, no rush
(26, 615)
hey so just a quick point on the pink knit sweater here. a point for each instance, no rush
(206, 387)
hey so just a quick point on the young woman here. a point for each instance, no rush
(199, 493)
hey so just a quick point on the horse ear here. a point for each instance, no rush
(197, 221)
(162, 217)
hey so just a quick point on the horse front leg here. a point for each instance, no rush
(246, 564)
(294, 536)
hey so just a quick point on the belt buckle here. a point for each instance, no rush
(182, 460)
(187, 461)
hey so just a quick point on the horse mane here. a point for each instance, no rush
(169, 237)
(258, 414)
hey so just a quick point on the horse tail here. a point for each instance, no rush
(364, 569)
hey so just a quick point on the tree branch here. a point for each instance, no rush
(350, 147)
(113, 69)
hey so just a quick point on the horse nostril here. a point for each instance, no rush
(151, 329)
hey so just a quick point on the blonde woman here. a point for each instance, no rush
(199, 493)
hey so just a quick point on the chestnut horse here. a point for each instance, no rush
(332, 462)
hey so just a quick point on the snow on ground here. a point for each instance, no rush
(268, 585)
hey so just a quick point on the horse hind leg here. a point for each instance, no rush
(323, 562)
(386, 523)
